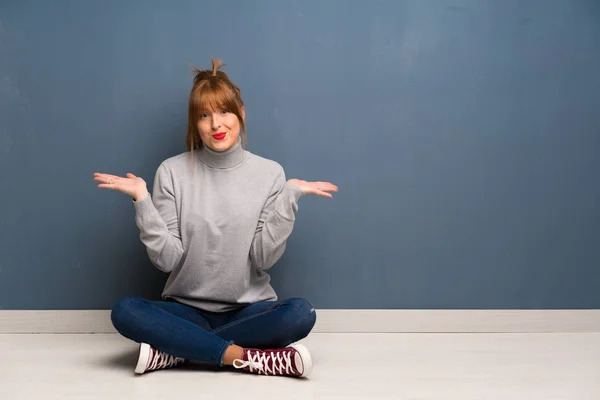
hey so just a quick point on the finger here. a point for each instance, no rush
(325, 184)
(107, 180)
(106, 176)
(130, 175)
(324, 194)
(115, 177)
(108, 186)
(328, 187)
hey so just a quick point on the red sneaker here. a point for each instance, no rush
(151, 359)
(293, 360)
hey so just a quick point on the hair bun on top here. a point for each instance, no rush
(208, 73)
(216, 64)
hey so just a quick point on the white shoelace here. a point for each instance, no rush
(162, 360)
(259, 360)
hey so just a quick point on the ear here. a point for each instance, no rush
(243, 111)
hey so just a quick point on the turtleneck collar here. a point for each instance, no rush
(222, 159)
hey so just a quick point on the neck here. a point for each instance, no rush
(222, 159)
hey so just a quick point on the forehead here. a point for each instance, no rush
(209, 109)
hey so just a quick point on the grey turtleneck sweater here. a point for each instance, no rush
(216, 227)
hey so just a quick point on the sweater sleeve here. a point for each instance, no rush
(156, 217)
(275, 224)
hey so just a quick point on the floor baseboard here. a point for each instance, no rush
(342, 321)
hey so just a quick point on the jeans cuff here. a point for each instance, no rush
(222, 352)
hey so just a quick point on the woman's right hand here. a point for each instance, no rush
(131, 185)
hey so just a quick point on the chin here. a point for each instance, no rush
(222, 146)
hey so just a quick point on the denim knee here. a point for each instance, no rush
(305, 317)
(122, 313)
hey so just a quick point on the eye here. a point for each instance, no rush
(224, 111)
(204, 115)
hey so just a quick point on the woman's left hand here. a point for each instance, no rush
(318, 188)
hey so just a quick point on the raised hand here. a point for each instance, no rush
(131, 185)
(318, 188)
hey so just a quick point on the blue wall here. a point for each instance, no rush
(464, 137)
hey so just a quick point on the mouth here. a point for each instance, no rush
(219, 136)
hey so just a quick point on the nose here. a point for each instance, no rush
(216, 121)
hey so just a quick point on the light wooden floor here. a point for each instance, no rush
(347, 366)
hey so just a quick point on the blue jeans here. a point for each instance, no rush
(184, 331)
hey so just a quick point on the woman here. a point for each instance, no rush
(218, 218)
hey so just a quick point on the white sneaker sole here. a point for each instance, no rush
(142, 363)
(306, 358)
